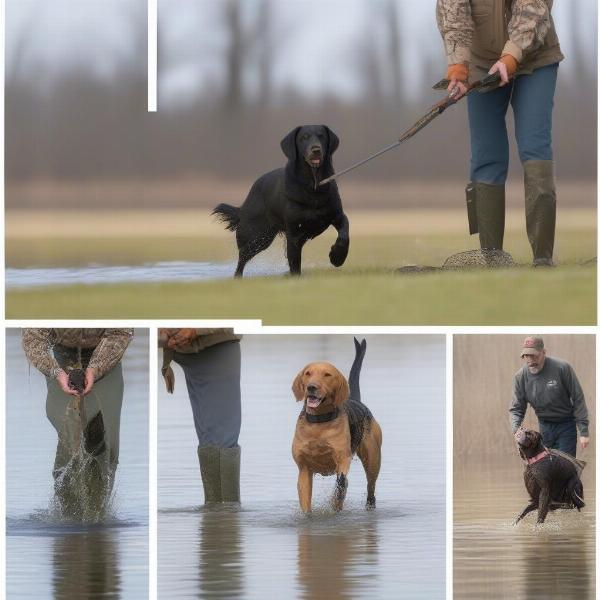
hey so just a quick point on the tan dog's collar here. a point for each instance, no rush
(321, 418)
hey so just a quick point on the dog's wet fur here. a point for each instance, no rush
(552, 482)
(290, 201)
(327, 447)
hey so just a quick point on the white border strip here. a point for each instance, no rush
(449, 464)
(152, 466)
(152, 55)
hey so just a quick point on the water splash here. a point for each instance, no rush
(83, 488)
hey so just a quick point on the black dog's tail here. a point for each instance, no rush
(354, 379)
(228, 214)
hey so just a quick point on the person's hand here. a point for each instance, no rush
(182, 338)
(584, 441)
(458, 75)
(506, 67)
(90, 377)
(63, 381)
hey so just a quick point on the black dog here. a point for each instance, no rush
(551, 477)
(291, 202)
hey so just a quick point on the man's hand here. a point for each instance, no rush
(182, 338)
(63, 381)
(584, 441)
(458, 76)
(90, 377)
(506, 67)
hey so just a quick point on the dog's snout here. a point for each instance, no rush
(316, 149)
(311, 387)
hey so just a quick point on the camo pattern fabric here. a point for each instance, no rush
(107, 345)
(456, 25)
(529, 23)
(527, 26)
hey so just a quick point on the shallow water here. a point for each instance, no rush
(147, 273)
(45, 556)
(271, 549)
(495, 558)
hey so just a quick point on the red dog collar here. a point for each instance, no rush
(537, 457)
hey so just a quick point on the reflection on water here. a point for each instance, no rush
(147, 273)
(46, 555)
(96, 554)
(334, 565)
(269, 548)
(495, 558)
(222, 570)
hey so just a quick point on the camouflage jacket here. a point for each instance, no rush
(107, 347)
(478, 32)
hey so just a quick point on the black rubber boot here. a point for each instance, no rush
(540, 209)
(486, 209)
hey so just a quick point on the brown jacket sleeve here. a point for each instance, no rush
(37, 344)
(528, 27)
(456, 27)
(110, 350)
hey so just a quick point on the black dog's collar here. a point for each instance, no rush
(322, 418)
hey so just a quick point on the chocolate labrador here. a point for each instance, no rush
(551, 477)
(291, 202)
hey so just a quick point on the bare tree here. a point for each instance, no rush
(234, 57)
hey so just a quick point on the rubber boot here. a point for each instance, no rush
(487, 206)
(540, 209)
(230, 474)
(210, 470)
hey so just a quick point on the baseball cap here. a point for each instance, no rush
(532, 345)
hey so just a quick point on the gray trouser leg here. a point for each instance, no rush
(213, 382)
(83, 482)
(106, 396)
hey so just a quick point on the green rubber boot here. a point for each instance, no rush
(486, 208)
(540, 209)
(230, 474)
(210, 470)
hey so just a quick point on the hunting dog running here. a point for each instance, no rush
(291, 202)
(334, 425)
(551, 477)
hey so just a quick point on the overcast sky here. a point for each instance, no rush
(316, 53)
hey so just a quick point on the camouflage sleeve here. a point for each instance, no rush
(456, 26)
(528, 27)
(110, 350)
(37, 344)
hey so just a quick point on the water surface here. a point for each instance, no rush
(50, 558)
(269, 548)
(146, 273)
(493, 558)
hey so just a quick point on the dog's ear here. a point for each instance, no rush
(334, 140)
(288, 144)
(341, 391)
(298, 386)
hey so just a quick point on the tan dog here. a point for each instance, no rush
(333, 425)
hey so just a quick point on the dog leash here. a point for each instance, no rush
(484, 85)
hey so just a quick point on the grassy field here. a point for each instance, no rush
(367, 290)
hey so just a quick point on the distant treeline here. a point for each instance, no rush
(80, 126)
